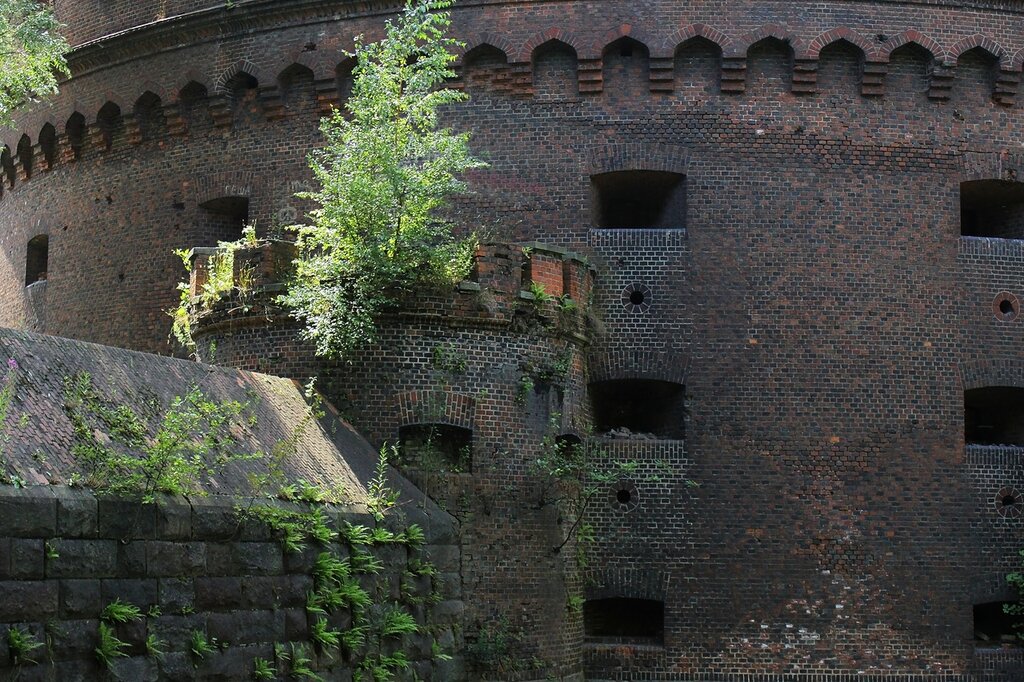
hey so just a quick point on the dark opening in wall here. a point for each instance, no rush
(993, 626)
(437, 447)
(111, 122)
(36, 259)
(149, 114)
(223, 220)
(48, 144)
(639, 199)
(297, 90)
(25, 155)
(193, 99)
(75, 130)
(625, 407)
(992, 208)
(994, 415)
(7, 165)
(623, 620)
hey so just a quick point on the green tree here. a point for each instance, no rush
(386, 170)
(31, 54)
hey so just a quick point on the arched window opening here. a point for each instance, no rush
(840, 65)
(344, 79)
(769, 67)
(994, 627)
(296, 83)
(975, 78)
(193, 100)
(242, 89)
(626, 408)
(48, 144)
(992, 208)
(626, 68)
(75, 131)
(223, 219)
(697, 67)
(149, 113)
(555, 66)
(909, 73)
(639, 199)
(994, 415)
(620, 620)
(37, 259)
(436, 447)
(110, 122)
(483, 66)
(25, 155)
(7, 163)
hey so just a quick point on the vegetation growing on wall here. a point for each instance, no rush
(192, 440)
(356, 617)
(386, 170)
(221, 281)
(31, 54)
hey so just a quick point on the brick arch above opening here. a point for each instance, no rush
(690, 31)
(225, 184)
(631, 583)
(985, 43)
(1004, 165)
(639, 363)
(835, 35)
(990, 587)
(435, 407)
(911, 37)
(991, 372)
(637, 156)
(546, 36)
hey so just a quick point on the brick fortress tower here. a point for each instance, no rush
(793, 235)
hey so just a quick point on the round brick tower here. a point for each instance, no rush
(807, 223)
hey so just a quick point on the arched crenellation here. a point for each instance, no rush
(554, 68)
(974, 69)
(25, 156)
(485, 68)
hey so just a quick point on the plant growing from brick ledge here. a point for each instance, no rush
(384, 174)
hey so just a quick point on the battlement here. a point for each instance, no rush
(505, 280)
(967, 71)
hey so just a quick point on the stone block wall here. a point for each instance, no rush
(192, 566)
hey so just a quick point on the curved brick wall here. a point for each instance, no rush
(816, 298)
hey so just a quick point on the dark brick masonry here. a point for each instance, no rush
(803, 262)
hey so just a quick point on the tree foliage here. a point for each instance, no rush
(385, 171)
(31, 54)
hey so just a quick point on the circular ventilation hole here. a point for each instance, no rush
(1006, 306)
(1009, 503)
(636, 298)
(624, 497)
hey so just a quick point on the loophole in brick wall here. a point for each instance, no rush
(1009, 503)
(636, 298)
(624, 497)
(1006, 306)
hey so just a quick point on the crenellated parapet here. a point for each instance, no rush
(507, 282)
